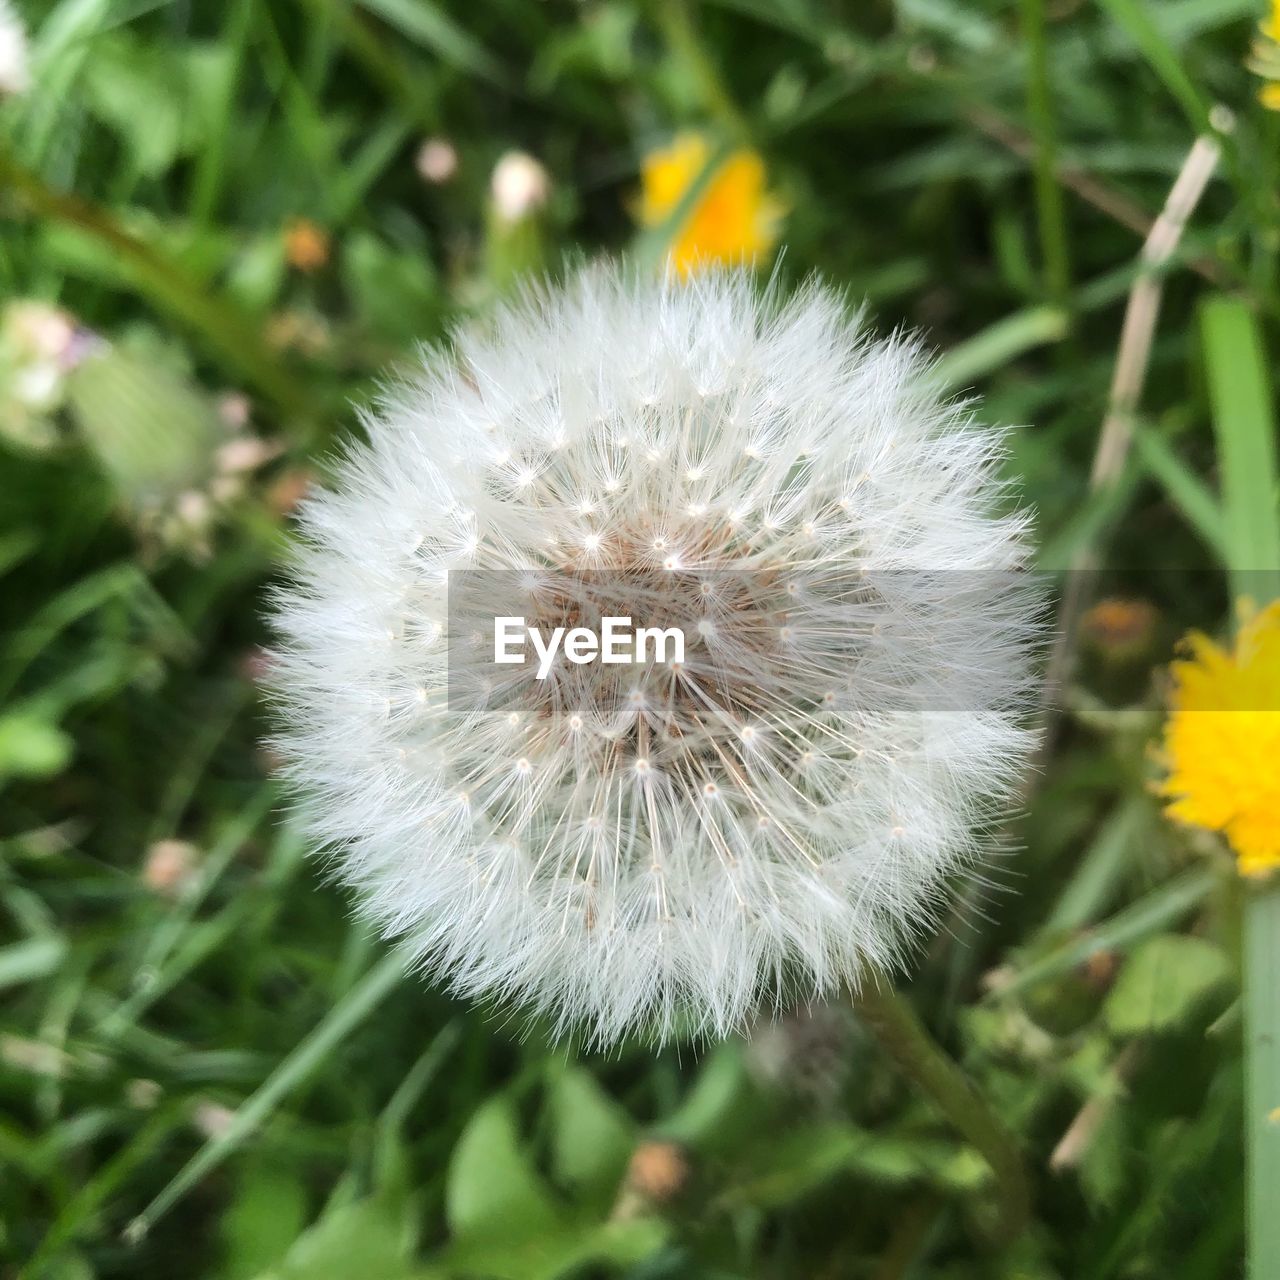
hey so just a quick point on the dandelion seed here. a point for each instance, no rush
(669, 862)
(171, 868)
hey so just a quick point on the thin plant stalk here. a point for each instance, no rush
(904, 1038)
(1050, 207)
(1262, 1076)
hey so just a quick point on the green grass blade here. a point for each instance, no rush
(1160, 909)
(1136, 18)
(1097, 513)
(999, 343)
(1110, 854)
(310, 1053)
(1051, 214)
(425, 24)
(1244, 424)
(30, 960)
(1192, 497)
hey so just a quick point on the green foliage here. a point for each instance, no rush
(1162, 984)
(214, 1073)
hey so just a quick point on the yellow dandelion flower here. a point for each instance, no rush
(1222, 741)
(1264, 58)
(735, 220)
(1270, 25)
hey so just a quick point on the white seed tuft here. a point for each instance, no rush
(662, 850)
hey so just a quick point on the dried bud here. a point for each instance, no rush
(234, 408)
(171, 867)
(1120, 630)
(15, 68)
(658, 1172)
(437, 161)
(306, 245)
(520, 186)
(212, 1119)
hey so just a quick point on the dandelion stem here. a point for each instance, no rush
(903, 1037)
(1262, 1075)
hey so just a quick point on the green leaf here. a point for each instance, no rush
(152, 431)
(781, 1171)
(492, 1188)
(554, 1254)
(395, 293)
(1162, 983)
(1162, 907)
(1102, 1166)
(1101, 866)
(592, 1137)
(1192, 497)
(68, 1267)
(141, 92)
(30, 960)
(715, 1103)
(367, 1238)
(31, 747)
(1262, 1071)
(265, 1216)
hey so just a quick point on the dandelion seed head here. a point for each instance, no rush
(663, 847)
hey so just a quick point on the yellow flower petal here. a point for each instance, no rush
(735, 220)
(1222, 740)
(1270, 25)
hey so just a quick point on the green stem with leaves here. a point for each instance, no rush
(228, 332)
(904, 1038)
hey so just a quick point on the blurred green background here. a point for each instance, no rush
(219, 222)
